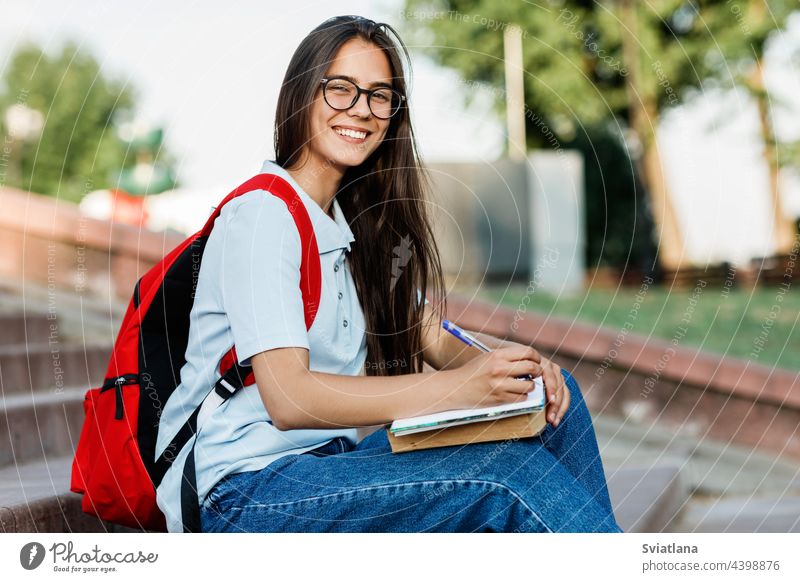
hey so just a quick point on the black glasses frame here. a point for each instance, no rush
(359, 90)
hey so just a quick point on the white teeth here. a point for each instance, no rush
(351, 133)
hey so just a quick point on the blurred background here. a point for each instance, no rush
(615, 182)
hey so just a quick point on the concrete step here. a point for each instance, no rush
(743, 514)
(51, 366)
(39, 425)
(16, 328)
(35, 497)
(84, 317)
(709, 467)
(647, 499)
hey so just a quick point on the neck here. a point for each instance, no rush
(320, 181)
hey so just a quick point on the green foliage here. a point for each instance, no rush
(576, 74)
(729, 323)
(77, 150)
(573, 50)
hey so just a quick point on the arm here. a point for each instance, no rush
(259, 283)
(444, 351)
(298, 398)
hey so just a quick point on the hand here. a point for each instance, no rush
(491, 379)
(556, 391)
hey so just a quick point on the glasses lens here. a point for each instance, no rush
(384, 103)
(340, 93)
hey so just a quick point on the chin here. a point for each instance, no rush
(349, 161)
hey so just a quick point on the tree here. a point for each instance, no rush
(589, 62)
(76, 149)
(758, 23)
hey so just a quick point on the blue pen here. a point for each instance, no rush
(465, 336)
(471, 340)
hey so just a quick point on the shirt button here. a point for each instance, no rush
(340, 295)
(335, 268)
(344, 323)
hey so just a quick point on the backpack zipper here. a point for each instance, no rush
(117, 383)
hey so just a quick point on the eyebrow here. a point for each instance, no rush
(370, 85)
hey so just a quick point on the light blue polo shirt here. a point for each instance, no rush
(248, 294)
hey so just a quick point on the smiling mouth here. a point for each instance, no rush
(351, 135)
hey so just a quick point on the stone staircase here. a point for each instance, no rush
(662, 480)
(47, 362)
(65, 280)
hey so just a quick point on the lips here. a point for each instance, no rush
(351, 138)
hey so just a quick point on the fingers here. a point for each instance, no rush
(564, 405)
(554, 391)
(557, 407)
(499, 368)
(523, 368)
(519, 352)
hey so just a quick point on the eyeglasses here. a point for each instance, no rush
(342, 94)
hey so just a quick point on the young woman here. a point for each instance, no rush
(283, 456)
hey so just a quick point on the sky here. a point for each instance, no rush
(210, 75)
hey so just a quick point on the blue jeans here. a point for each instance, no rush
(550, 483)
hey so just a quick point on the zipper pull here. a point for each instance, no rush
(118, 390)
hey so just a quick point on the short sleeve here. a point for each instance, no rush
(419, 297)
(260, 278)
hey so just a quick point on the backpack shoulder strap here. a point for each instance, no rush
(310, 271)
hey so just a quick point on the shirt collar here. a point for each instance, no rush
(331, 233)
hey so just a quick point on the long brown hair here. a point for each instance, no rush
(394, 253)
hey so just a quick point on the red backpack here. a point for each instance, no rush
(115, 466)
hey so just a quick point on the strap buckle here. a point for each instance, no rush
(232, 381)
(224, 389)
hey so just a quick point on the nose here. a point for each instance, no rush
(361, 106)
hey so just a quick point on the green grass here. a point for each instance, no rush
(737, 323)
